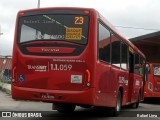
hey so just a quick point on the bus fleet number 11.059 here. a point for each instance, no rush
(64, 67)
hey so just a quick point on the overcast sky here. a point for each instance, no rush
(125, 13)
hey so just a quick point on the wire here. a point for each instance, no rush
(128, 27)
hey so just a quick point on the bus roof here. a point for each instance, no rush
(56, 8)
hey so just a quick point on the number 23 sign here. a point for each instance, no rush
(79, 20)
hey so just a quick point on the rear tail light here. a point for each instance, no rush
(13, 74)
(88, 78)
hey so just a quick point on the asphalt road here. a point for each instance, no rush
(152, 107)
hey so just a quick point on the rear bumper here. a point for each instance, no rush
(64, 96)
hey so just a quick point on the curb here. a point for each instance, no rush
(6, 87)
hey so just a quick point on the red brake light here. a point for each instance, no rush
(86, 11)
(21, 13)
(88, 77)
(13, 74)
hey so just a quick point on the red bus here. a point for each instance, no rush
(152, 86)
(74, 57)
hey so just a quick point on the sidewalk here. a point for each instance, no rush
(6, 87)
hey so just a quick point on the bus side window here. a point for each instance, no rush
(115, 51)
(104, 43)
(137, 64)
(147, 70)
(124, 56)
(142, 63)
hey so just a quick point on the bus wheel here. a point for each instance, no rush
(63, 107)
(117, 109)
(136, 105)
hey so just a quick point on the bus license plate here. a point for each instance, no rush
(76, 79)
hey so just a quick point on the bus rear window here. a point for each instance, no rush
(71, 28)
(156, 70)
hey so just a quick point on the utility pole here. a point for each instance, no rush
(38, 3)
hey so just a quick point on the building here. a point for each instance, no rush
(5, 67)
(149, 44)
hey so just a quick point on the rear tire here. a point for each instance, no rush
(64, 107)
(136, 105)
(117, 109)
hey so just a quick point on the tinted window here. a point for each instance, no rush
(137, 64)
(124, 56)
(104, 43)
(142, 66)
(115, 51)
(73, 28)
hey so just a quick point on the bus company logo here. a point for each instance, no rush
(40, 68)
(50, 49)
(123, 81)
